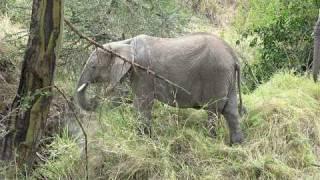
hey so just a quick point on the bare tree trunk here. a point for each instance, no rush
(316, 50)
(32, 102)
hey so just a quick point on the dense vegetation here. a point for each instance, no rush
(274, 43)
(282, 33)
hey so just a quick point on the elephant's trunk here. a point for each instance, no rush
(88, 105)
(316, 51)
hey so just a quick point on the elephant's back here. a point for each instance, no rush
(196, 57)
(201, 63)
(189, 50)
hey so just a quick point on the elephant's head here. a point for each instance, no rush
(103, 67)
(316, 50)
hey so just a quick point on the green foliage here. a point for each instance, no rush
(17, 10)
(282, 32)
(114, 19)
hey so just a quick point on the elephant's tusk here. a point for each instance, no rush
(82, 87)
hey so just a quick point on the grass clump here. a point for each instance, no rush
(60, 160)
(282, 132)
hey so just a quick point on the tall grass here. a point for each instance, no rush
(282, 132)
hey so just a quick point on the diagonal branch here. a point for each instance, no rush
(123, 58)
(70, 105)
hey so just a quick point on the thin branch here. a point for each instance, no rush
(70, 104)
(316, 165)
(106, 35)
(254, 78)
(123, 58)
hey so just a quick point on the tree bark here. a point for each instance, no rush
(31, 105)
(316, 50)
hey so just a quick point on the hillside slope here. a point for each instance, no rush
(282, 130)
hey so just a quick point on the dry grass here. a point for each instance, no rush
(282, 131)
(7, 26)
(7, 69)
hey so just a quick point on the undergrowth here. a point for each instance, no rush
(282, 131)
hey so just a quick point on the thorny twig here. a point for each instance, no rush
(123, 58)
(81, 126)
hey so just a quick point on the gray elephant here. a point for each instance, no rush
(316, 51)
(201, 63)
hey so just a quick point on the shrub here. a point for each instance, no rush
(282, 32)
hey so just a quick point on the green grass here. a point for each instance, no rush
(282, 130)
(61, 160)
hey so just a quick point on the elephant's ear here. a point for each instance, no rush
(119, 68)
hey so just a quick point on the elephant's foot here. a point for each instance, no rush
(144, 131)
(236, 137)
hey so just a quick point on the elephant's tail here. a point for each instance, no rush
(241, 108)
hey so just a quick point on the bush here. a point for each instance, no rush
(282, 32)
(113, 19)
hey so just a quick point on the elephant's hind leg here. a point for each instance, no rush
(230, 113)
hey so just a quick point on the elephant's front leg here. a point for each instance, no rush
(143, 105)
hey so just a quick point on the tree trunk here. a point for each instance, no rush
(31, 105)
(316, 50)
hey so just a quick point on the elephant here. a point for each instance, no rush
(316, 51)
(202, 63)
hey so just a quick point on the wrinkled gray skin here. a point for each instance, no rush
(316, 51)
(201, 63)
